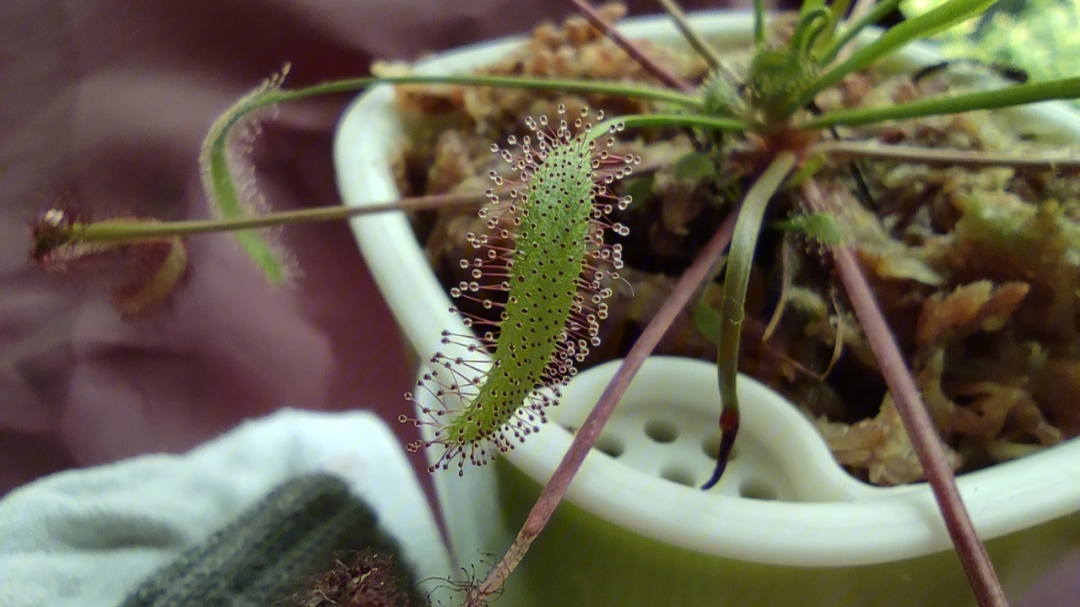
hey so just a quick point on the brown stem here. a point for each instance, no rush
(695, 39)
(586, 436)
(631, 49)
(924, 437)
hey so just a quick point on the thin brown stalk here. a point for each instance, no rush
(912, 154)
(631, 49)
(838, 342)
(699, 44)
(924, 437)
(586, 436)
(785, 286)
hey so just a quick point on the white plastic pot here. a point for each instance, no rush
(785, 526)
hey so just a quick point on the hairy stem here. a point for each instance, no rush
(586, 436)
(631, 49)
(695, 39)
(924, 437)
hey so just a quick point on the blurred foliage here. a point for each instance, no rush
(1037, 36)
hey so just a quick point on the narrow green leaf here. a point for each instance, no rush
(759, 22)
(709, 123)
(1020, 94)
(737, 276)
(893, 39)
(732, 306)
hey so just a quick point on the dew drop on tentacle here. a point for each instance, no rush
(542, 272)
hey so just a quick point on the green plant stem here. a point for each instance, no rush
(553, 492)
(920, 428)
(668, 120)
(623, 89)
(698, 43)
(120, 231)
(917, 155)
(732, 307)
(893, 39)
(759, 23)
(1020, 94)
(631, 49)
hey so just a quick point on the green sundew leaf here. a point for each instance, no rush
(693, 167)
(819, 226)
(221, 190)
(224, 196)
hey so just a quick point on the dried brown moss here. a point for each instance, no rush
(977, 270)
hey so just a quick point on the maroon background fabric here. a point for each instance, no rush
(105, 103)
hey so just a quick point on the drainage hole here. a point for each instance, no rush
(711, 446)
(678, 475)
(757, 490)
(612, 446)
(661, 431)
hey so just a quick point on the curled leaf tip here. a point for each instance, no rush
(229, 199)
(61, 241)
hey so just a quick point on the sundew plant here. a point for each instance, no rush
(548, 249)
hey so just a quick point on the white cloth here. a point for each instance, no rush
(86, 538)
